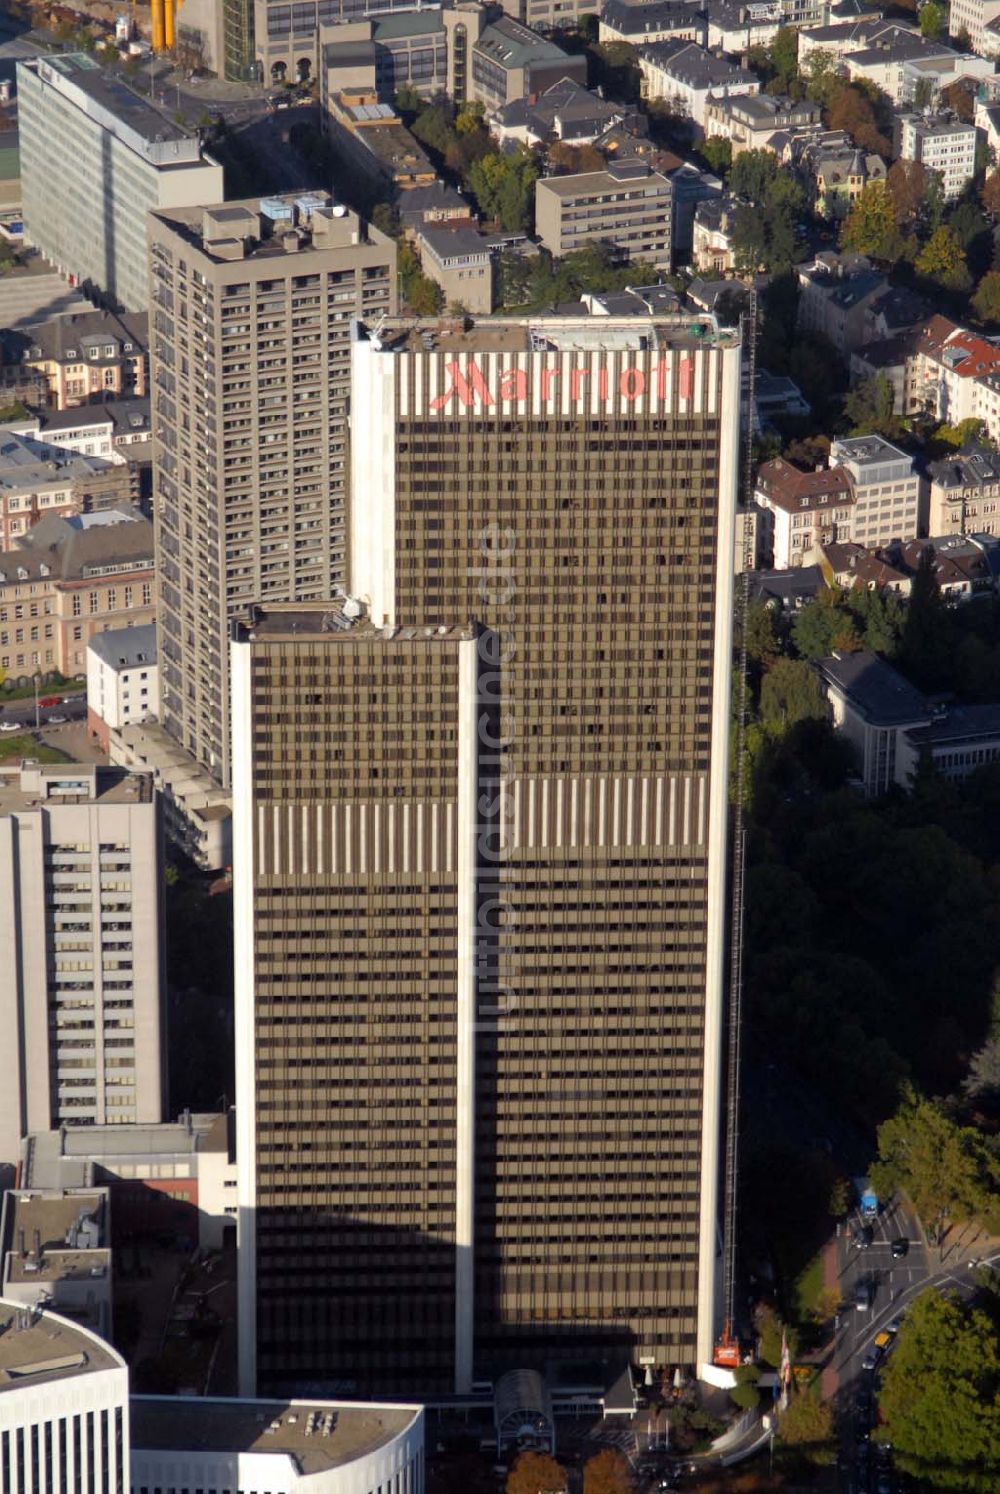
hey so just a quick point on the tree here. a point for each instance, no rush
(983, 1079)
(822, 78)
(967, 432)
(986, 301)
(763, 641)
(608, 1472)
(870, 227)
(807, 1425)
(572, 159)
(784, 58)
(423, 295)
(771, 1331)
(925, 652)
(870, 407)
(718, 152)
(753, 172)
(943, 1166)
(849, 108)
(931, 20)
(961, 99)
(504, 187)
(827, 623)
(940, 1396)
(943, 261)
(907, 183)
(744, 1393)
(790, 692)
(536, 1473)
(989, 194)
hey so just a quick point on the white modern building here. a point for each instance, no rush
(974, 18)
(122, 680)
(95, 157)
(283, 1447)
(871, 705)
(81, 950)
(888, 490)
(943, 144)
(64, 1413)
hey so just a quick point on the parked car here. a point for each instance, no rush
(10, 726)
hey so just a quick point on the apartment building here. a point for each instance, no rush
(942, 143)
(81, 878)
(800, 511)
(38, 479)
(252, 306)
(480, 869)
(888, 490)
(749, 121)
(965, 493)
(127, 157)
(71, 579)
(661, 20)
(684, 75)
(123, 680)
(88, 356)
(460, 262)
(628, 205)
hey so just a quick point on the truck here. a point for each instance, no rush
(867, 1199)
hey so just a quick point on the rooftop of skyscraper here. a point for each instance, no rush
(549, 334)
(318, 1435)
(56, 1236)
(341, 618)
(254, 227)
(37, 1347)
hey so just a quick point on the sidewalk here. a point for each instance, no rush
(829, 1379)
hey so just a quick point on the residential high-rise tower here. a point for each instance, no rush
(480, 905)
(251, 306)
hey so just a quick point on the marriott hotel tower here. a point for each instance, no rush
(480, 815)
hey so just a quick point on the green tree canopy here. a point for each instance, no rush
(504, 187)
(870, 227)
(870, 407)
(790, 692)
(931, 20)
(944, 1167)
(718, 152)
(807, 1425)
(940, 1396)
(986, 301)
(753, 172)
(943, 260)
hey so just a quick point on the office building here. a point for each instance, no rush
(945, 144)
(628, 206)
(252, 305)
(889, 496)
(510, 61)
(69, 580)
(299, 1447)
(460, 262)
(127, 157)
(480, 870)
(81, 885)
(63, 1406)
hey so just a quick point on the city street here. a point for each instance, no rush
(891, 1285)
(22, 712)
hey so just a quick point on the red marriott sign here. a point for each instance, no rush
(561, 384)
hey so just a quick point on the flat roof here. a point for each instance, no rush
(329, 620)
(189, 1424)
(30, 785)
(621, 173)
(553, 334)
(114, 94)
(38, 1347)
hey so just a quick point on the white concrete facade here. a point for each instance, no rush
(81, 883)
(395, 1465)
(64, 1413)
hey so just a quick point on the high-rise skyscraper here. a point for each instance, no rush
(480, 956)
(81, 949)
(251, 306)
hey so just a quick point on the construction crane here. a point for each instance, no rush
(727, 1350)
